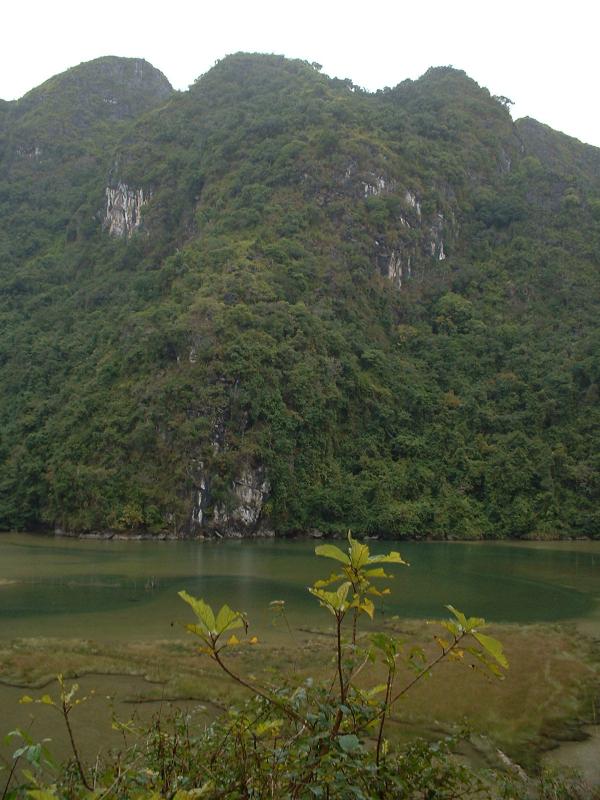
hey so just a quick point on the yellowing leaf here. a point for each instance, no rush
(201, 609)
(227, 619)
(391, 558)
(493, 647)
(456, 655)
(451, 627)
(377, 572)
(462, 620)
(334, 601)
(233, 640)
(198, 631)
(367, 606)
(359, 553)
(253, 640)
(323, 582)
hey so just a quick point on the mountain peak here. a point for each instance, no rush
(107, 87)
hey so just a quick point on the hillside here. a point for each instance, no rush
(277, 302)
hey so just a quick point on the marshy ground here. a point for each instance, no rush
(550, 693)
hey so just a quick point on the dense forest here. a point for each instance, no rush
(276, 302)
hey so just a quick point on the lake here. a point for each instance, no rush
(113, 608)
(123, 589)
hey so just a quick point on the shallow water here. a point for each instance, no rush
(128, 589)
(125, 590)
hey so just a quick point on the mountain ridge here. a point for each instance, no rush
(277, 302)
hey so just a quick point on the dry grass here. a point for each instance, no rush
(553, 678)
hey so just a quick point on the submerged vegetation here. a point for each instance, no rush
(277, 302)
(310, 739)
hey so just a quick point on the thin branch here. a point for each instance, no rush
(388, 690)
(424, 671)
(66, 709)
(289, 712)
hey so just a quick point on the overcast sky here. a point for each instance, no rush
(542, 55)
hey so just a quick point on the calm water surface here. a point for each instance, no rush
(119, 589)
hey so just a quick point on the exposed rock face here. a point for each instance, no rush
(123, 209)
(418, 241)
(201, 501)
(436, 242)
(249, 493)
(412, 201)
(377, 185)
(32, 152)
(241, 515)
(396, 270)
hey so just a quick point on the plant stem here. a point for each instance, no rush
(354, 625)
(388, 690)
(66, 709)
(339, 661)
(289, 712)
(424, 672)
(339, 715)
(10, 776)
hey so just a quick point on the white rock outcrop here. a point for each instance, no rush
(241, 515)
(123, 209)
(249, 492)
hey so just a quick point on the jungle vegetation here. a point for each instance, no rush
(386, 303)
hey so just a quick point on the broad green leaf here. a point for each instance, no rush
(391, 558)
(462, 620)
(334, 601)
(342, 592)
(359, 553)
(228, 619)
(475, 622)
(331, 551)
(198, 630)
(201, 609)
(325, 598)
(493, 647)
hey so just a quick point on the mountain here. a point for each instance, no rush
(275, 302)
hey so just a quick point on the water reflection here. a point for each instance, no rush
(111, 589)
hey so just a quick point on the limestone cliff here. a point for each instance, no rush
(123, 209)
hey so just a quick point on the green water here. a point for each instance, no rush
(128, 589)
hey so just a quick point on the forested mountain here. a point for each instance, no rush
(278, 302)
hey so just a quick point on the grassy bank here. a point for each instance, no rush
(550, 690)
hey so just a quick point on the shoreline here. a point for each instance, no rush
(313, 534)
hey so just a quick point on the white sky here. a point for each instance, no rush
(544, 55)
